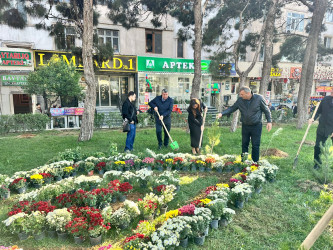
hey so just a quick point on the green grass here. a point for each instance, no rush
(278, 218)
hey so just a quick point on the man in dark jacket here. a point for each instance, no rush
(251, 107)
(130, 113)
(325, 127)
(163, 104)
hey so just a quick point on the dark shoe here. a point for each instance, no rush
(165, 146)
(159, 147)
(316, 167)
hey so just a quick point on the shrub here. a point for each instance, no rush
(22, 122)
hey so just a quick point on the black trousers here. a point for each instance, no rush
(320, 139)
(159, 127)
(252, 133)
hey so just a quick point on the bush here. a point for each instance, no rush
(23, 122)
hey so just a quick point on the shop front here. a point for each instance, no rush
(115, 78)
(175, 75)
(15, 65)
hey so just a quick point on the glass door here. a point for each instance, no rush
(123, 88)
(114, 91)
(104, 91)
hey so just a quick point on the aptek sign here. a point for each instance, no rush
(13, 58)
(14, 80)
(119, 63)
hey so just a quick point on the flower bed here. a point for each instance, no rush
(83, 204)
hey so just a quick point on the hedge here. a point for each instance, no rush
(23, 122)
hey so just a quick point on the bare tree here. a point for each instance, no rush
(87, 127)
(318, 8)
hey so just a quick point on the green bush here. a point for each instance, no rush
(23, 122)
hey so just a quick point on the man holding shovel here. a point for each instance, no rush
(325, 127)
(162, 104)
(251, 107)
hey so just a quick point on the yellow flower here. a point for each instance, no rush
(169, 160)
(200, 162)
(205, 201)
(222, 185)
(68, 169)
(172, 214)
(120, 162)
(254, 168)
(36, 177)
(331, 149)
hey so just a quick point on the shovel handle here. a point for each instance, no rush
(164, 125)
(204, 120)
(307, 130)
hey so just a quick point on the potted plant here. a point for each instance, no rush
(19, 185)
(226, 216)
(89, 168)
(228, 166)
(57, 220)
(216, 206)
(4, 191)
(148, 206)
(167, 195)
(201, 226)
(218, 166)
(238, 178)
(132, 209)
(78, 227)
(57, 172)
(46, 177)
(100, 167)
(124, 188)
(120, 165)
(270, 170)
(36, 224)
(137, 164)
(120, 218)
(256, 179)
(134, 242)
(159, 165)
(68, 171)
(209, 163)
(37, 180)
(239, 194)
(17, 224)
(177, 163)
(200, 165)
(148, 162)
(238, 166)
(129, 165)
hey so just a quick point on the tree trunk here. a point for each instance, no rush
(268, 43)
(309, 61)
(195, 93)
(87, 126)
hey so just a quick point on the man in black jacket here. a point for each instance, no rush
(325, 127)
(251, 107)
(163, 104)
(130, 113)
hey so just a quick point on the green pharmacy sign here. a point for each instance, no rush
(14, 80)
(172, 65)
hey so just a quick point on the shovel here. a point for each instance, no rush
(204, 119)
(174, 145)
(304, 137)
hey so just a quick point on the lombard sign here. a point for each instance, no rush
(119, 63)
(172, 65)
(14, 80)
(15, 58)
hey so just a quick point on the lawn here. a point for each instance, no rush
(279, 218)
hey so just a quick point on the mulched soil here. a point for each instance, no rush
(313, 186)
(26, 136)
(274, 152)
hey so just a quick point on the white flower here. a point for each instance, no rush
(14, 217)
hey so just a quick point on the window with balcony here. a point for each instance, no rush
(109, 36)
(295, 22)
(154, 41)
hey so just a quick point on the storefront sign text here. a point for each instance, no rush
(295, 72)
(324, 89)
(13, 58)
(276, 72)
(14, 80)
(119, 63)
(157, 64)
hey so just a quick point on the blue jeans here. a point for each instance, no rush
(130, 138)
(253, 133)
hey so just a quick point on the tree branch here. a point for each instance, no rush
(311, 7)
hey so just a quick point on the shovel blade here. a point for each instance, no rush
(174, 145)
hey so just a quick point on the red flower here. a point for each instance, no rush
(100, 166)
(210, 189)
(160, 188)
(125, 187)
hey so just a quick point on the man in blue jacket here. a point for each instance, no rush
(251, 107)
(163, 104)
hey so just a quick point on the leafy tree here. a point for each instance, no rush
(53, 81)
